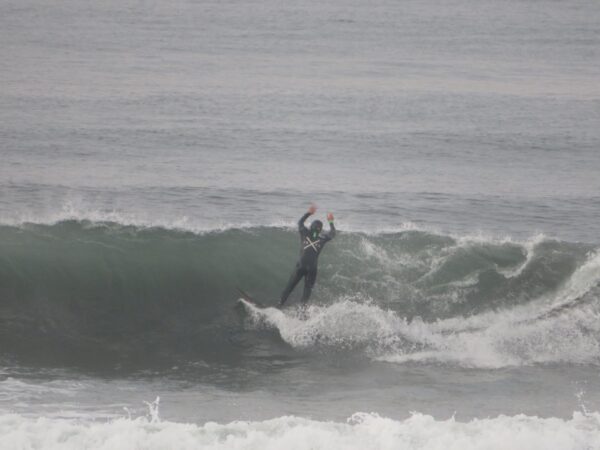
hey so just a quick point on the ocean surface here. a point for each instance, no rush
(155, 155)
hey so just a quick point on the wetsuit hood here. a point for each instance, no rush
(315, 227)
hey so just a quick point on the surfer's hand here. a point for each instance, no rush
(312, 209)
(330, 217)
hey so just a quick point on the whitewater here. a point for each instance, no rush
(360, 431)
(156, 156)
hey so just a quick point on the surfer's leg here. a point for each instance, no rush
(294, 279)
(309, 282)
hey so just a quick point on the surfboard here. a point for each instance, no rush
(245, 296)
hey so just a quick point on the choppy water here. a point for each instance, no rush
(155, 155)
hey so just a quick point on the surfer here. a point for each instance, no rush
(312, 242)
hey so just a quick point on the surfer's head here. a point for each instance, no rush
(315, 227)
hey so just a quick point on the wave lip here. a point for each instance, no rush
(361, 431)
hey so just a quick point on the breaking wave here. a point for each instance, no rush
(107, 291)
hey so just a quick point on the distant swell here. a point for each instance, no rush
(82, 290)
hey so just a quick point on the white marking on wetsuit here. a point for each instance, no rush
(313, 244)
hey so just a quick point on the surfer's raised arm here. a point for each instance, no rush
(310, 212)
(331, 233)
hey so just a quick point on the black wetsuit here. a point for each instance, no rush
(310, 248)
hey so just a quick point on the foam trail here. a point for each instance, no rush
(490, 340)
(361, 431)
(343, 324)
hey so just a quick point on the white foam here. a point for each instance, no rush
(583, 279)
(361, 431)
(529, 247)
(517, 336)
(343, 324)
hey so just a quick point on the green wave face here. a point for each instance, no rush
(79, 289)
